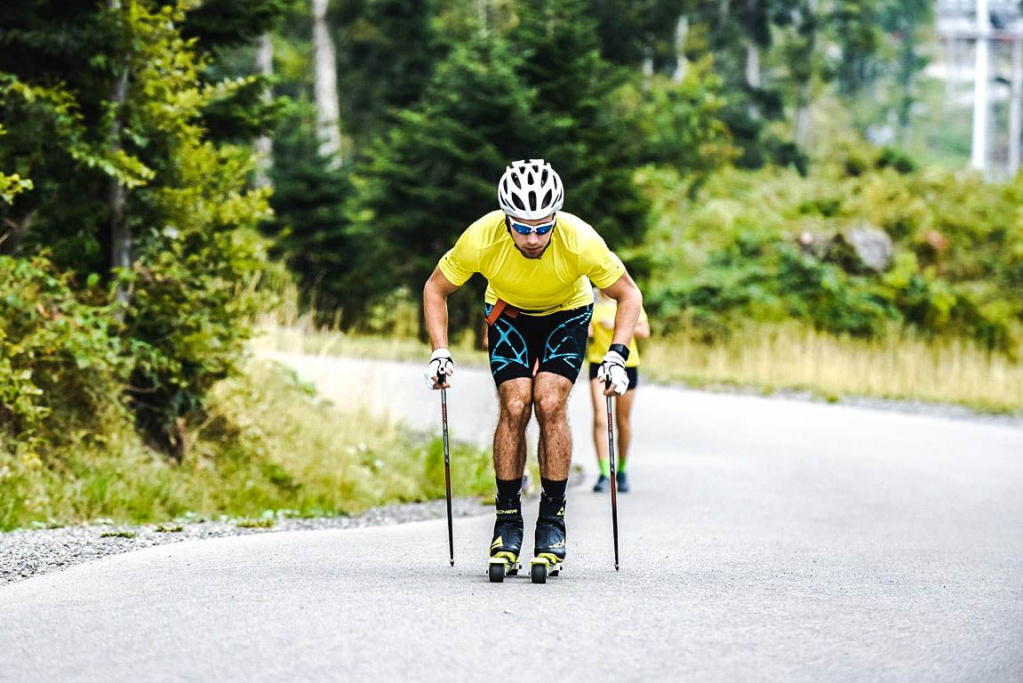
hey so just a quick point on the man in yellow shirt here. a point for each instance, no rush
(538, 262)
(601, 327)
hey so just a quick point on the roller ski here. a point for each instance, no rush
(549, 551)
(507, 543)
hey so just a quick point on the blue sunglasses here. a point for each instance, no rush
(524, 229)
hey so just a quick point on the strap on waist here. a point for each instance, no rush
(499, 307)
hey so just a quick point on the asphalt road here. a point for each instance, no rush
(764, 540)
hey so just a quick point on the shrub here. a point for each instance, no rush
(61, 367)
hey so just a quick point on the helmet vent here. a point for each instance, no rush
(530, 189)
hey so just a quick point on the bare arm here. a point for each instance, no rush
(642, 329)
(435, 308)
(630, 302)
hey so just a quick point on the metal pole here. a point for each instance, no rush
(614, 483)
(978, 154)
(447, 465)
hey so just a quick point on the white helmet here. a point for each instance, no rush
(530, 190)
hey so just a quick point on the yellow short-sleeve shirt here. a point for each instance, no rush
(557, 281)
(603, 331)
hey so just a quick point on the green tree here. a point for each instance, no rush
(741, 36)
(109, 123)
(437, 171)
(309, 226)
(632, 31)
(386, 51)
(905, 21)
(854, 26)
(576, 122)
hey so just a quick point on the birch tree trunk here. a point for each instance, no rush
(328, 117)
(681, 31)
(803, 116)
(483, 12)
(805, 97)
(752, 64)
(264, 145)
(648, 69)
(120, 231)
(752, 53)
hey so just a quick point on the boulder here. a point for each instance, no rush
(872, 246)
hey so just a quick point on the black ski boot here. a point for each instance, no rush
(507, 543)
(549, 550)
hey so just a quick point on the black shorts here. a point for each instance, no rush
(557, 341)
(631, 373)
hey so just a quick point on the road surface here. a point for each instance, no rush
(764, 539)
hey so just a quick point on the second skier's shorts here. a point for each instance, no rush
(557, 342)
(631, 373)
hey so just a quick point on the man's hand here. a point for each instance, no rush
(612, 370)
(440, 364)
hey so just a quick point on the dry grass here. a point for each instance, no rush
(270, 447)
(789, 357)
(766, 358)
(286, 330)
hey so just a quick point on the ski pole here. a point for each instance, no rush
(447, 464)
(614, 486)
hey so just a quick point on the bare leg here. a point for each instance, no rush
(550, 399)
(516, 407)
(599, 420)
(623, 420)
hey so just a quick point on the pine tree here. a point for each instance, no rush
(578, 130)
(386, 52)
(631, 31)
(437, 171)
(309, 225)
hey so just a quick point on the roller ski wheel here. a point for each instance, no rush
(549, 549)
(502, 565)
(543, 566)
(507, 543)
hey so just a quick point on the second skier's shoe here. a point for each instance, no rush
(623, 482)
(549, 546)
(507, 543)
(602, 483)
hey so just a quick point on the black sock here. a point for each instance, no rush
(509, 488)
(554, 488)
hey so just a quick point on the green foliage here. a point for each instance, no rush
(575, 123)
(853, 24)
(267, 445)
(309, 225)
(60, 357)
(633, 30)
(195, 249)
(538, 87)
(769, 247)
(190, 282)
(437, 171)
(240, 114)
(13, 184)
(677, 125)
(219, 23)
(386, 52)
